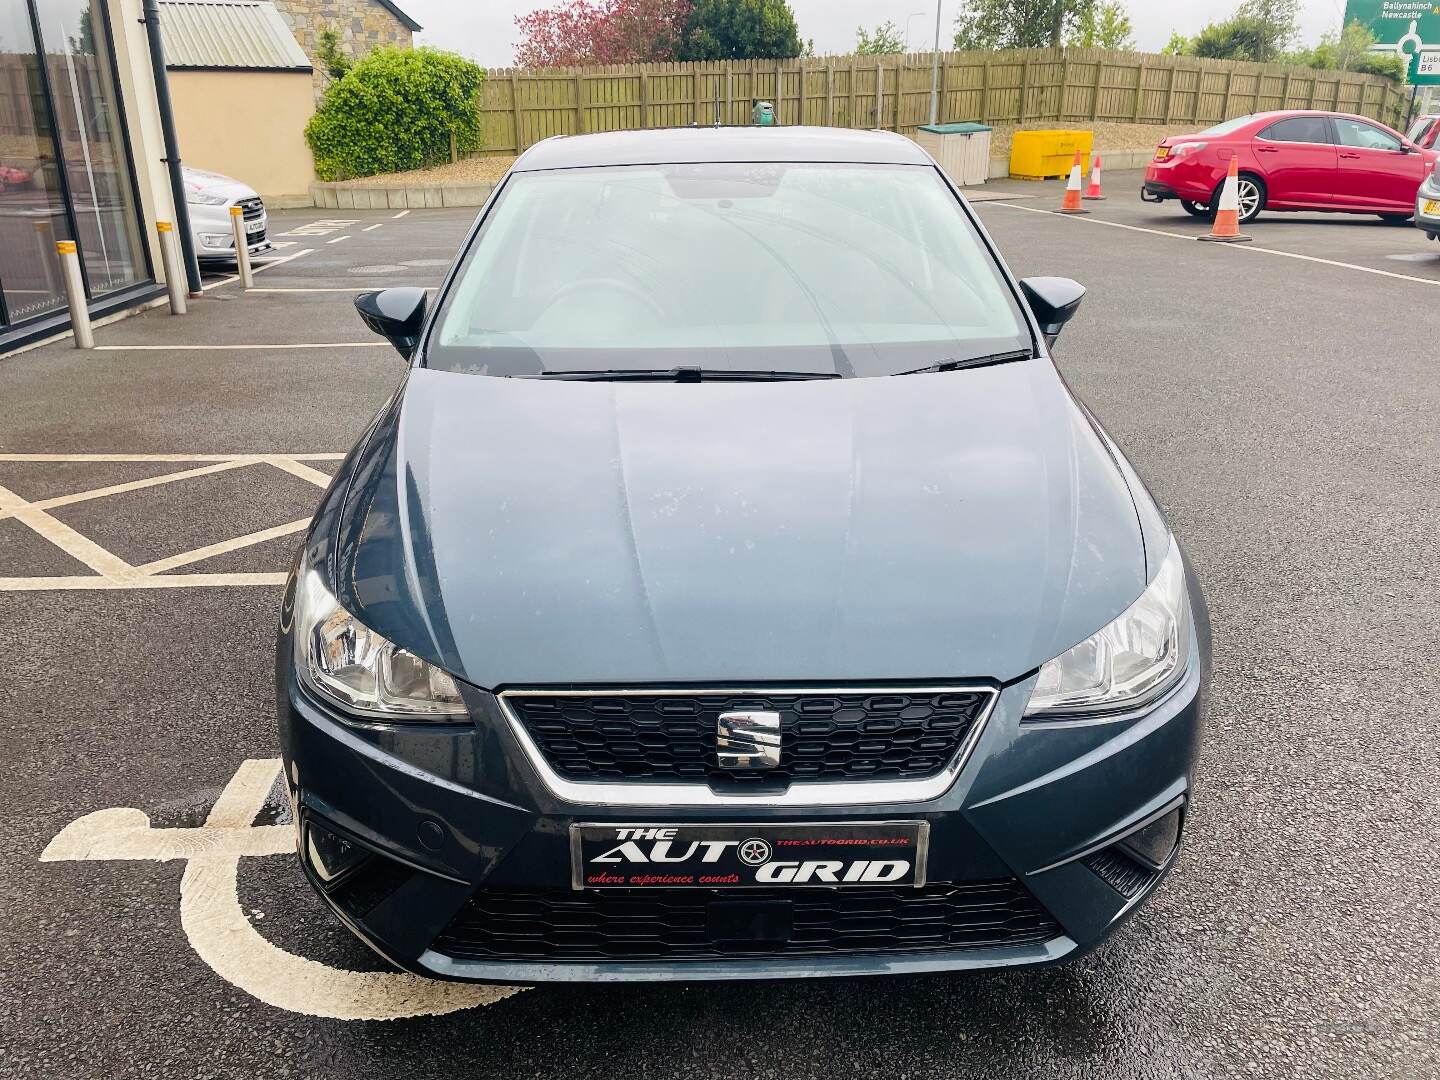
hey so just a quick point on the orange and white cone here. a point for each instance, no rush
(1093, 191)
(1226, 227)
(1071, 203)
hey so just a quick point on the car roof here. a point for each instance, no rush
(700, 144)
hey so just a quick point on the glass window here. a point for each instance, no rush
(92, 142)
(32, 211)
(852, 270)
(1306, 129)
(1420, 129)
(1225, 127)
(1365, 136)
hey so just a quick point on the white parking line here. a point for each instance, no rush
(271, 264)
(372, 228)
(112, 572)
(1232, 247)
(224, 547)
(338, 239)
(401, 214)
(170, 457)
(233, 348)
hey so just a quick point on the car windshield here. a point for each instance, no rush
(834, 269)
(1227, 126)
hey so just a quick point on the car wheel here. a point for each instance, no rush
(1195, 209)
(1395, 219)
(1251, 190)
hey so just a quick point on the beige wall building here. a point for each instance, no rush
(360, 25)
(240, 88)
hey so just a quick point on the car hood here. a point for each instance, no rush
(520, 532)
(200, 180)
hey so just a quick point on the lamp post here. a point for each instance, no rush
(935, 69)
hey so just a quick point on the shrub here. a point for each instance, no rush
(395, 110)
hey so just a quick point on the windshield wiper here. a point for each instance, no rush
(685, 375)
(972, 362)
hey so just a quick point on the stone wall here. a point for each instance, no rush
(360, 24)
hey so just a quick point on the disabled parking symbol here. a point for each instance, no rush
(216, 925)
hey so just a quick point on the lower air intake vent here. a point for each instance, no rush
(679, 924)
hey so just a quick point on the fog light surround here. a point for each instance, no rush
(329, 855)
(217, 240)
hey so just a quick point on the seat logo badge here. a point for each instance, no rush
(748, 740)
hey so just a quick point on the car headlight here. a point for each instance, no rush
(346, 662)
(1133, 660)
(204, 198)
(1431, 186)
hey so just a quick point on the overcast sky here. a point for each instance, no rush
(485, 29)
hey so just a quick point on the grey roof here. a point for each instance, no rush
(698, 144)
(248, 35)
(410, 24)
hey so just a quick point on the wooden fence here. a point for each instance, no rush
(1020, 86)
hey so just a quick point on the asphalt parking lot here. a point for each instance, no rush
(1282, 399)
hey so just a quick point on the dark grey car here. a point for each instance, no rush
(734, 589)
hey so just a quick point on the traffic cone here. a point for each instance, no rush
(1071, 203)
(1226, 227)
(1093, 191)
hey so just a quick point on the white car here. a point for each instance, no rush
(210, 197)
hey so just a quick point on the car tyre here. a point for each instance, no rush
(1195, 209)
(1252, 196)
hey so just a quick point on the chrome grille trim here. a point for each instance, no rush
(800, 794)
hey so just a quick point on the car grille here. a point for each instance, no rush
(901, 735)
(252, 208)
(673, 924)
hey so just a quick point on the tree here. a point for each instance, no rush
(1278, 20)
(884, 40)
(396, 109)
(1349, 50)
(1017, 24)
(741, 30)
(332, 58)
(1104, 26)
(1237, 38)
(577, 32)
(1178, 45)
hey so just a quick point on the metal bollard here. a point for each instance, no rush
(75, 293)
(242, 248)
(170, 259)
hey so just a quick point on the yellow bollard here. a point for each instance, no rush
(75, 293)
(242, 248)
(170, 259)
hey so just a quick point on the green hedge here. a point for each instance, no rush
(394, 110)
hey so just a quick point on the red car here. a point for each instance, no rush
(1293, 160)
(1425, 131)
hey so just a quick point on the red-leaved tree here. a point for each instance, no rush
(601, 32)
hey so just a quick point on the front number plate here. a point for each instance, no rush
(1431, 207)
(650, 856)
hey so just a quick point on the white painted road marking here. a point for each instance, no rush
(234, 348)
(269, 264)
(1230, 247)
(372, 228)
(338, 239)
(323, 227)
(217, 927)
(401, 214)
(112, 572)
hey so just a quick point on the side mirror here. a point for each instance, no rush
(396, 315)
(1054, 300)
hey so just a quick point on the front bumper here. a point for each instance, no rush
(456, 812)
(1429, 222)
